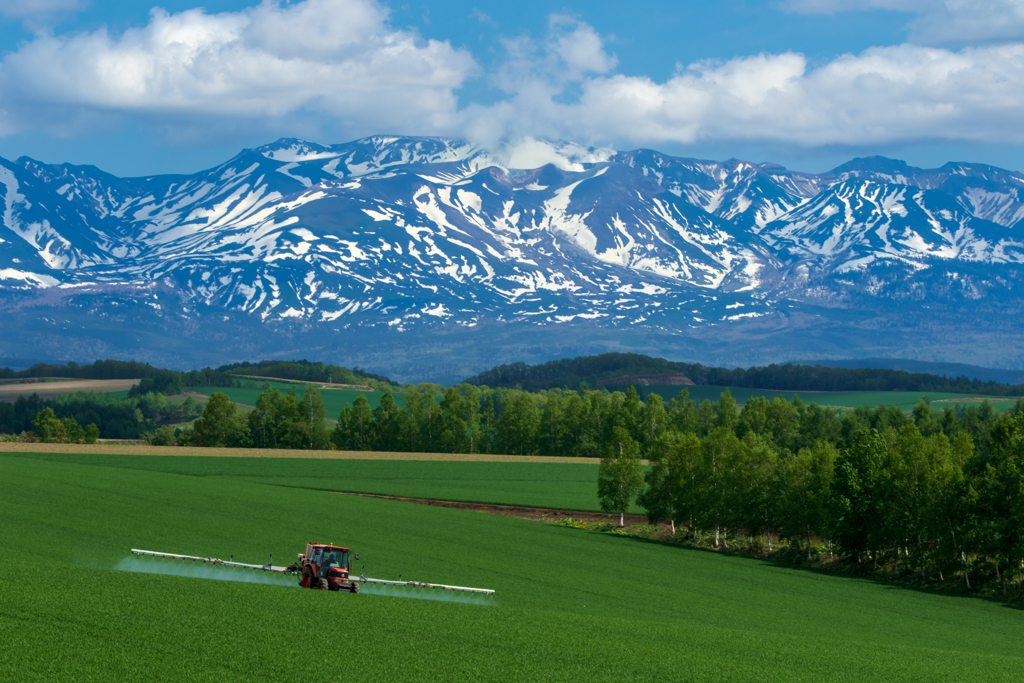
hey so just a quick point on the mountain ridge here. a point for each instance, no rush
(391, 234)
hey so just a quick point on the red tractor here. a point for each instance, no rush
(322, 566)
(325, 567)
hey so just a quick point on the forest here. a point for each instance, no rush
(124, 369)
(114, 417)
(616, 369)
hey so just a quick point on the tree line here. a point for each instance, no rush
(614, 369)
(122, 369)
(471, 419)
(931, 494)
(113, 417)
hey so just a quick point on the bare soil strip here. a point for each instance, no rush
(322, 385)
(112, 448)
(540, 514)
(11, 392)
(979, 399)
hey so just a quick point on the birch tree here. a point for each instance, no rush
(621, 476)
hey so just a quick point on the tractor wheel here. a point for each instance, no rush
(354, 587)
(323, 585)
(307, 578)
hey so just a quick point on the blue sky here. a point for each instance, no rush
(809, 84)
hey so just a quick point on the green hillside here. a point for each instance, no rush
(570, 605)
(623, 369)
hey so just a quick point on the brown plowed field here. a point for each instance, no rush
(9, 393)
(322, 385)
(650, 380)
(143, 449)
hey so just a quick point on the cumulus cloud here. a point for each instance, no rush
(938, 21)
(535, 76)
(532, 153)
(337, 58)
(571, 50)
(292, 67)
(883, 95)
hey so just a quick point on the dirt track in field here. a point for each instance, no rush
(114, 448)
(972, 399)
(321, 385)
(539, 514)
(9, 393)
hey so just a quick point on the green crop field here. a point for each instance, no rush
(570, 605)
(334, 399)
(563, 486)
(846, 399)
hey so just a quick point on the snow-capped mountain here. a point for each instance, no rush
(400, 234)
(858, 222)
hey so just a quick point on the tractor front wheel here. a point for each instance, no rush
(353, 586)
(323, 585)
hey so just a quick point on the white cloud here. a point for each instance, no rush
(578, 46)
(535, 76)
(337, 58)
(531, 153)
(294, 67)
(938, 21)
(22, 9)
(482, 17)
(570, 50)
(881, 95)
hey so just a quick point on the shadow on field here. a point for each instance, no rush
(949, 588)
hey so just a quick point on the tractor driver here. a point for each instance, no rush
(336, 558)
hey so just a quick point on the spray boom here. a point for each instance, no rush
(296, 569)
(213, 560)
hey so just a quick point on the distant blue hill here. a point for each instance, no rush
(942, 369)
(18, 364)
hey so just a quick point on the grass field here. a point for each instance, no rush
(334, 399)
(570, 605)
(905, 400)
(563, 486)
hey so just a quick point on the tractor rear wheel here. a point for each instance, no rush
(307, 578)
